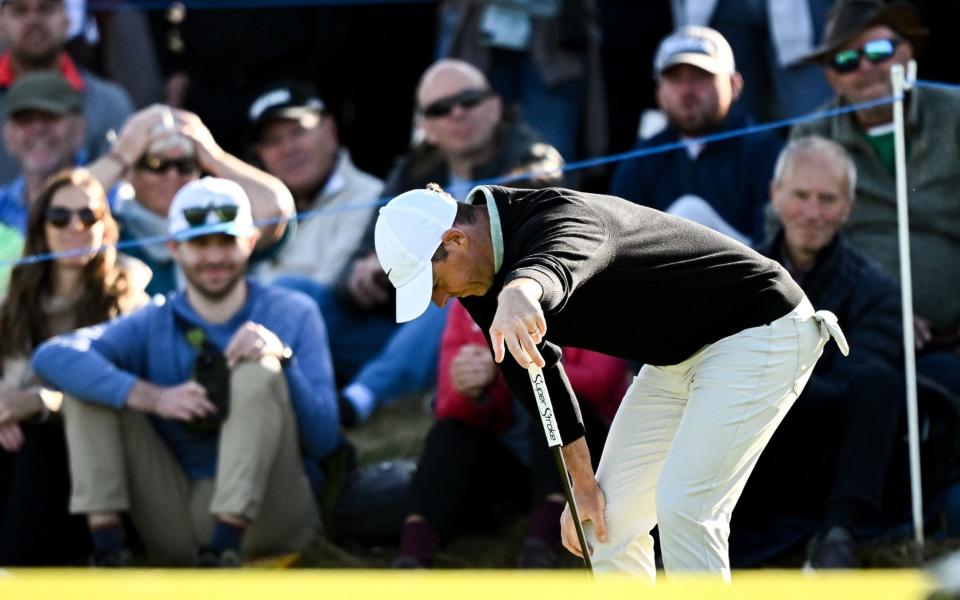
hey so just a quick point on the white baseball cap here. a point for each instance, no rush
(207, 206)
(701, 47)
(408, 232)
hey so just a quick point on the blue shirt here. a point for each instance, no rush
(102, 363)
(13, 205)
(732, 175)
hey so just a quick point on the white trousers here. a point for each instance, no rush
(687, 437)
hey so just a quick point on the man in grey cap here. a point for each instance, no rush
(863, 40)
(721, 184)
(43, 131)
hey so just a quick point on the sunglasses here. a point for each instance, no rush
(159, 166)
(197, 217)
(876, 51)
(465, 99)
(60, 217)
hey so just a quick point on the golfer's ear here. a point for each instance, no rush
(453, 236)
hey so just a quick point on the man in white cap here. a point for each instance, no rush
(720, 184)
(203, 414)
(727, 338)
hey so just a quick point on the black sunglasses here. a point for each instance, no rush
(465, 99)
(60, 216)
(197, 217)
(159, 166)
(876, 51)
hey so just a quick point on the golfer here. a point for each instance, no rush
(727, 340)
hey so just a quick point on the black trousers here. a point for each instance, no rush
(465, 473)
(834, 444)
(36, 528)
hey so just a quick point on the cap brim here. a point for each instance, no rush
(701, 61)
(414, 298)
(54, 108)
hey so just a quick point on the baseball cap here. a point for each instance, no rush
(408, 232)
(701, 47)
(207, 206)
(46, 91)
(285, 101)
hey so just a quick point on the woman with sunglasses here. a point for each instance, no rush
(82, 286)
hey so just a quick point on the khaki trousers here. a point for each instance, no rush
(686, 438)
(118, 463)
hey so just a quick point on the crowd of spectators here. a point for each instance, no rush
(186, 396)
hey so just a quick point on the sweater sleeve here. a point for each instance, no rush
(566, 411)
(98, 364)
(312, 388)
(560, 248)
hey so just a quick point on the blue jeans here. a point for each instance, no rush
(390, 360)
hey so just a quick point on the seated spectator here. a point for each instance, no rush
(828, 485)
(484, 448)
(43, 131)
(34, 33)
(466, 137)
(162, 149)
(200, 416)
(46, 299)
(720, 184)
(295, 138)
(863, 40)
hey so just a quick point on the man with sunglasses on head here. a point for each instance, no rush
(161, 149)
(862, 42)
(464, 135)
(202, 415)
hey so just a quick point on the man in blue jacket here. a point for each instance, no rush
(202, 414)
(721, 184)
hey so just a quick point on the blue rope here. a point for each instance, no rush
(573, 166)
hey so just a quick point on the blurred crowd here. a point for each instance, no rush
(203, 321)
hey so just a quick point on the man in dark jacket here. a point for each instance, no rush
(720, 184)
(467, 136)
(727, 339)
(828, 460)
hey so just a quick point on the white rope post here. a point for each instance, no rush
(901, 83)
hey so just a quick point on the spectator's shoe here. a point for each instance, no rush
(537, 554)
(112, 559)
(208, 558)
(834, 550)
(405, 561)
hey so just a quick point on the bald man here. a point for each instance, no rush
(467, 135)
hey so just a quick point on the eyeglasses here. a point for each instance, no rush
(198, 216)
(60, 216)
(465, 99)
(159, 166)
(876, 51)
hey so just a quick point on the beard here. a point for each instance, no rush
(195, 278)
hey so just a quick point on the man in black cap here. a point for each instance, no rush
(295, 137)
(863, 40)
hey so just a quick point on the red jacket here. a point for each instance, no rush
(596, 378)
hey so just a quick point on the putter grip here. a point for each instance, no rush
(544, 406)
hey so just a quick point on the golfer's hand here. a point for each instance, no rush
(519, 323)
(590, 504)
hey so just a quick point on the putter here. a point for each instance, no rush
(545, 408)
